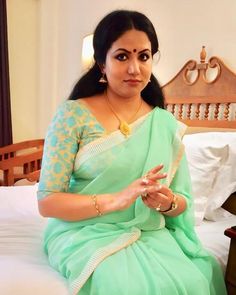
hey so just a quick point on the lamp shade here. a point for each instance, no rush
(87, 52)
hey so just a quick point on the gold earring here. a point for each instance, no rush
(103, 79)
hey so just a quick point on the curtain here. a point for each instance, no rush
(5, 103)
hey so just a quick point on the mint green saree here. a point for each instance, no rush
(136, 251)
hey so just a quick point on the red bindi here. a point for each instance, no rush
(134, 50)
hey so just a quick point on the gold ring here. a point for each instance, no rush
(158, 208)
(144, 193)
(145, 180)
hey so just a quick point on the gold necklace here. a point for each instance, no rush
(123, 125)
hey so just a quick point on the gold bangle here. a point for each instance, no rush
(94, 198)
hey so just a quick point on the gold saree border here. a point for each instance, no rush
(101, 254)
(180, 133)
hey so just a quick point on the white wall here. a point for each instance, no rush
(182, 26)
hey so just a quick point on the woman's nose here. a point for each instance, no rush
(133, 67)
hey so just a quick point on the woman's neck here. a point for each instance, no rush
(124, 106)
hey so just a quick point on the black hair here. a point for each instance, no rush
(108, 30)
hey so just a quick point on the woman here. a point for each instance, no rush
(114, 178)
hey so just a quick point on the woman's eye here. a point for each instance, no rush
(121, 57)
(144, 57)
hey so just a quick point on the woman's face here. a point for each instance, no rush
(128, 64)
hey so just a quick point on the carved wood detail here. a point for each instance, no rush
(209, 97)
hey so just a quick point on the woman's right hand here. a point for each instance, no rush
(124, 199)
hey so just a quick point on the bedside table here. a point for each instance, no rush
(230, 275)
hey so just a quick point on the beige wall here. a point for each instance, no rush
(45, 46)
(23, 39)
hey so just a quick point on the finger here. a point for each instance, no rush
(154, 189)
(146, 202)
(145, 180)
(144, 191)
(149, 179)
(157, 198)
(158, 188)
(153, 204)
(155, 169)
(160, 199)
(158, 192)
(158, 176)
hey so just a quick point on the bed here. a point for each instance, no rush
(201, 95)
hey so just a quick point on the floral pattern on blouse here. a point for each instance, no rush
(72, 127)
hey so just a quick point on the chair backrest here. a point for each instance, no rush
(19, 159)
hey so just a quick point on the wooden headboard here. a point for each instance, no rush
(203, 94)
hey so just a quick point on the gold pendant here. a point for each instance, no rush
(125, 128)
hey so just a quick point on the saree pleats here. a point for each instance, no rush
(138, 250)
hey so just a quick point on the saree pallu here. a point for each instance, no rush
(137, 250)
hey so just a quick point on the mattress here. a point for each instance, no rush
(211, 234)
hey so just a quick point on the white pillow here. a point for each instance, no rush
(225, 183)
(207, 154)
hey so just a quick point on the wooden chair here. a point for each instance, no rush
(19, 160)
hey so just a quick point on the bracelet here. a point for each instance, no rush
(173, 205)
(94, 198)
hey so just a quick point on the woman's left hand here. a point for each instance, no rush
(158, 197)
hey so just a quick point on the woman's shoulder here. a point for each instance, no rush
(71, 104)
(84, 103)
(170, 121)
(93, 102)
(165, 115)
(82, 110)
(74, 107)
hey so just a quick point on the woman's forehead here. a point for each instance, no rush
(132, 40)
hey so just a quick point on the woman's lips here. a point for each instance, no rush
(132, 81)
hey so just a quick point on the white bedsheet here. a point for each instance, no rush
(211, 234)
(24, 269)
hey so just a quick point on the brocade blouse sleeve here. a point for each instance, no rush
(60, 149)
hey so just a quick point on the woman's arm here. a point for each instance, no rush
(60, 149)
(75, 207)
